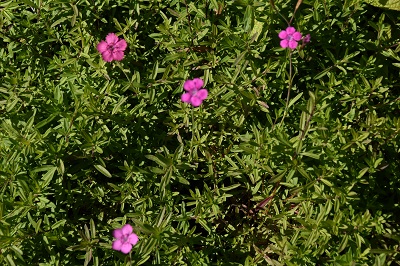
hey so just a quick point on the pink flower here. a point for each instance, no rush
(125, 239)
(289, 37)
(195, 94)
(112, 48)
(306, 39)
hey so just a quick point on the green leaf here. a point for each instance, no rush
(322, 73)
(46, 121)
(33, 223)
(118, 26)
(326, 182)
(257, 29)
(11, 105)
(37, 228)
(203, 223)
(58, 21)
(30, 3)
(396, 64)
(102, 170)
(47, 177)
(76, 14)
(88, 256)
(239, 58)
(311, 155)
(343, 243)
(58, 224)
(92, 229)
(230, 187)
(175, 56)
(389, 4)
(248, 18)
(183, 180)
(149, 245)
(214, 4)
(160, 160)
(10, 260)
(295, 99)
(362, 172)
(278, 177)
(29, 124)
(117, 107)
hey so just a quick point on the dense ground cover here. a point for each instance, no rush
(292, 159)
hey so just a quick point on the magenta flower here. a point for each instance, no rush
(306, 39)
(289, 37)
(125, 239)
(112, 48)
(195, 94)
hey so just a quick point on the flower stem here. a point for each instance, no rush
(272, 4)
(289, 88)
(191, 141)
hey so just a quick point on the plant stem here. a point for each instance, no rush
(289, 88)
(271, 2)
(190, 25)
(191, 141)
(120, 66)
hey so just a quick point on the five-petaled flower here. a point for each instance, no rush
(125, 239)
(195, 93)
(289, 37)
(112, 48)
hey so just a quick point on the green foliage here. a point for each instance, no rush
(389, 4)
(245, 179)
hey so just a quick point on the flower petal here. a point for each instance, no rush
(117, 233)
(202, 94)
(120, 45)
(188, 85)
(195, 101)
(186, 97)
(126, 247)
(292, 44)
(127, 229)
(133, 239)
(283, 35)
(307, 38)
(284, 43)
(107, 56)
(118, 55)
(102, 47)
(297, 36)
(117, 244)
(290, 30)
(198, 83)
(111, 38)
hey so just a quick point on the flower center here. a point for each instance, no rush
(110, 47)
(193, 92)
